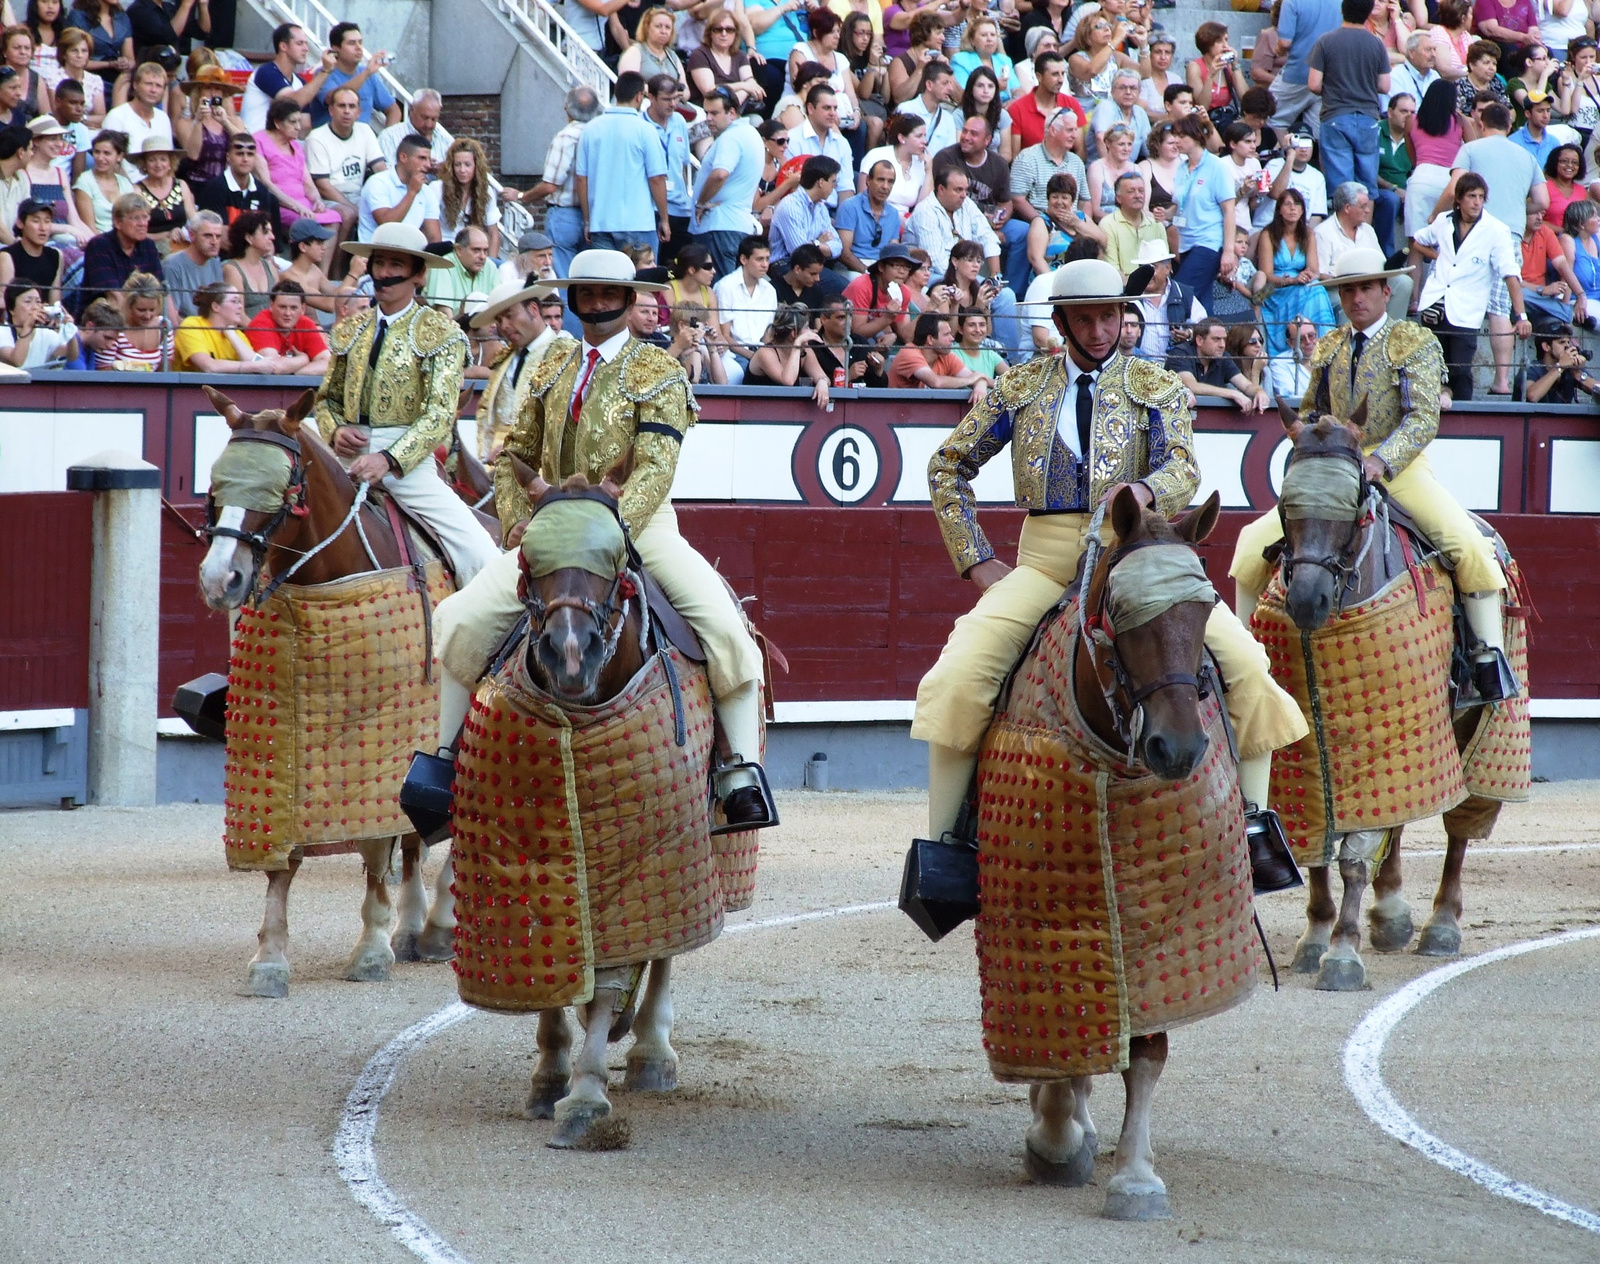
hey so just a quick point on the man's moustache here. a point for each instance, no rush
(384, 283)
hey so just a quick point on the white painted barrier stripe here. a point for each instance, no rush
(1363, 1075)
(358, 1124)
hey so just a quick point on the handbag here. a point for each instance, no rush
(1433, 316)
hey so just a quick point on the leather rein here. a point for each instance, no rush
(1344, 564)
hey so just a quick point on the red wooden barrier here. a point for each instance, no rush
(44, 610)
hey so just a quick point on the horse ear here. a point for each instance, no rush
(462, 400)
(617, 475)
(1287, 415)
(527, 477)
(1358, 418)
(298, 412)
(1197, 524)
(230, 411)
(1126, 513)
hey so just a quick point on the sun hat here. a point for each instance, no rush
(152, 145)
(46, 125)
(400, 239)
(505, 296)
(604, 267)
(1086, 281)
(1358, 265)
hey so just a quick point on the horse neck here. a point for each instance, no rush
(329, 493)
(1379, 566)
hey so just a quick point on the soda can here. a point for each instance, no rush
(838, 377)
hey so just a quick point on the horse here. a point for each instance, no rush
(1110, 709)
(307, 536)
(1338, 558)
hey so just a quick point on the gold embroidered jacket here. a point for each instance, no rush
(1400, 374)
(416, 384)
(639, 400)
(496, 417)
(1142, 432)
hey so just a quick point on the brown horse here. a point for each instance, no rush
(1138, 691)
(314, 535)
(1333, 561)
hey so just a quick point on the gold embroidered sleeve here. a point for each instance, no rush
(663, 420)
(1174, 474)
(328, 411)
(526, 441)
(1421, 377)
(441, 388)
(982, 434)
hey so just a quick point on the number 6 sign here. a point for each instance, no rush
(847, 465)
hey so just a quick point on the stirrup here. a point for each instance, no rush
(1485, 683)
(1272, 866)
(426, 797)
(744, 797)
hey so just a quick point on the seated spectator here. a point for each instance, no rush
(912, 53)
(802, 218)
(1122, 109)
(1289, 371)
(718, 62)
(81, 83)
(981, 46)
(403, 195)
(251, 266)
(1210, 373)
(867, 221)
(206, 125)
(1029, 113)
(212, 341)
(917, 282)
(1580, 246)
(1031, 172)
(42, 180)
(801, 284)
(97, 327)
(882, 298)
(692, 277)
(905, 150)
(866, 359)
(535, 259)
(1549, 286)
(1063, 223)
(111, 258)
(746, 299)
(283, 169)
(286, 331)
(973, 331)
(199, 263)
(33, 336)
(77, 137)
(1131, 225)
(786, 354)
(935, 105)
(1296, 173)
(771, 190)
(463, 287)
(963, 286)
(1131, 341)
(236, 191)
(279, 79)
(340, 155)
(464, 193)
(96, 189)
(352, 66)
(1093, 56)
(1035, 40)
(1290, 262)
(31, 257)
(144, 343)
(170, 201)
(950, 216)
(14, 110)
(981, 99)
(1560, 371)
(694, 344)
(1566, 179)
(930, 362)
(1116, 161)
(421, 119)
(141, 116)
(1169, 307)
(1248, 350)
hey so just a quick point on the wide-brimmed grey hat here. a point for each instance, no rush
(604, 267)
(507, 295)
(398, 239)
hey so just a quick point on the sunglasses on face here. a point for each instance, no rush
(780, 140)
(723, 30)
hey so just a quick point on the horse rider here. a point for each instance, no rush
(513, 310)
(389, 396)
(1397, 368)
(1081, 426)
(590, 407)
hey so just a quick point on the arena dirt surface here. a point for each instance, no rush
(835, 1103)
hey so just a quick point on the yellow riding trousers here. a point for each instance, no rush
(1435, 511)
(955, 700)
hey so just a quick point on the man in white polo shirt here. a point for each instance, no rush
(404, 195)
(1349, 227)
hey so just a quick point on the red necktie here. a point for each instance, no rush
(583, 384)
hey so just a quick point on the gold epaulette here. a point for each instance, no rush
(501, 356)
(1149, 383)
(1405, 340)
(344, 333)
(556, 357)
(432, 332)
(1022, 385)
(647, 371)
(1329, 345)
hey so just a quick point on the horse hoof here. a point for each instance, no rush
(436, 943)
(1137, 1205)
(1439, 941)
(575, 1121)
(370, 967)
(1390, 934)
(1341, 974)
(404, 946)
(270, 981)
(1075, 1173)
(1307, 957)
(543, 1096)
(651, 1075)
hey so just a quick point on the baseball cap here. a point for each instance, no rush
(304, 229)
(33, 206)
(533, 239)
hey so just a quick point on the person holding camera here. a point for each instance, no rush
(697, 345)
(1561, 361)
(1215, 76)
(35, 334)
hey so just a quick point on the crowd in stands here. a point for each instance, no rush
(838, 192)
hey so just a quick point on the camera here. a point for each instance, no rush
(214, 102)
(694, 322)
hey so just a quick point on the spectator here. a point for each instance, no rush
(402, 195)
(285, 331)
(692, 344)
(981, 99)
(1205, 197)
(74, 51)
(31, 257)
(558, 185)
(69, 112)
(236, 191)
(1434, 145)
(32, 336)
(1415, 73)
(777, 25)
(1030, 113)
(144, 343)
(1550, 288)
(98, 325)
(1349, 70)
(1565, 177)
(1534, 135)
(1561, 373)
(110, 32)
(250, 267)
(972, 328)
(980, 46)
(905, 147)
(1289, 371)
(465, 198)
(1122, 109)
(1093, 59)
(1054, 233)
(16, 149)
(350, 302)
(94, 192)
(746, 299)
(929, 362)
(725, 189)
(463, 288)
(199, 263)
(988, 177)
(1300, 25)
(663, 94)
(924, 46)
(846, 358)
(1580, 247)
(867, 222)
(1469, 281)
(308, 268)
(1247, 349)
(340, 155)
(211, 341)
(1032, 171)
(1214, 77)
(111, 258)
(1116, 160)
(170, 201)
(950, 216)
(1482, 81)
(1350, 228)
(1154, 83)
(1517, 178)
(771, 190)
(800, 280)
(1511, 25)
(882, 299)
(16, 52)
(934, 105)
(1131, 341)
(963, 286)
(621, 175)
(1131, 225)
(1206, 368)
(1584, 69)
(820, 134)
(142, 115)
(46, 182)
(791, 109)
(14, 112)
(787, 353)
(280, 79)
(846, 123)
(802, 218)
(348, 54)
(718, 62)
(1036, 40)
(1294, 171)
(1268, 54)
(209, 122)
(283, 167)
(1394, 167)
(421, 119)
(534, 261)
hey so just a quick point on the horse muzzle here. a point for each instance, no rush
(1310, 597)
(1173, 756)
(570, 661)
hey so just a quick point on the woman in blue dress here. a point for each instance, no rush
(1286, 254)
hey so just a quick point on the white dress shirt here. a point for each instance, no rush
(936, 230)
(1067, 411)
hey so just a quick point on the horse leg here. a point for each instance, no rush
(437, 942)
(373, 958)
(554, 1068)
(652, 1062)
(269, 968)
(413, 907)
(1441, 937)
(1389, 924)
(1342, 969)
(1134, 1191)
(1320, 914)
(586, 1103)
(1059, 1146)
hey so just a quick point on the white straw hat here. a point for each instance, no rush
(507, 295)
(399, 239)
(605, 267)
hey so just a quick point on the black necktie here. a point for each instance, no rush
(516, 373)
(1085, 415)
(377, 344)
(372, 364)
(1355, 354)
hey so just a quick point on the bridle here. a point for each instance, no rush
(294, 502)
(1345, 564)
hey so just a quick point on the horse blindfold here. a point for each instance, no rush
(1150, 581)
(575, 534)
(251, 476)
(1321, 487)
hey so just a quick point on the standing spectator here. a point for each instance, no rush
(1394, 167)
(111, 258)
(820, 135)
(199, 263)
(465, 197)
(1477, 269)
(746, 299)
(1289, 371)
(929, 362)
(558, 184)
(935, 105)
(1514, 177)
(1434, 144)
(207, 124)
(1206, 368)
(464, 287)
(1287, 257)
(1415, 74)
(377, 102)
(1204, 196)
(280, 77)
(1130, 226)
(421, 119)
(142, 115)
(1301, 24)
(1030, 113)
(802, 218)
(725, 189)
(621, 175)
(97, 188)
(867, 222)
(1349, 70)
(250, 267)
(236, 190)
(340, 155)
(672, 133)
(404, 194)
(284, 330)
(1031, 172)
(284, 168)
(905, 148)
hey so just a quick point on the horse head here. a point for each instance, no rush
(583, 605)
(257, 485)
(1323, 510)
(1145, 614)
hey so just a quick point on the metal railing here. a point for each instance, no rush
(548, 30)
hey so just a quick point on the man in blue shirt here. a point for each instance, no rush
(867, 223)
(378, 106)
(802, 219)
(1534, 134)
(620, 175)
(1204, 197)
(672, 132)
(725, 189)
(1300, 25)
